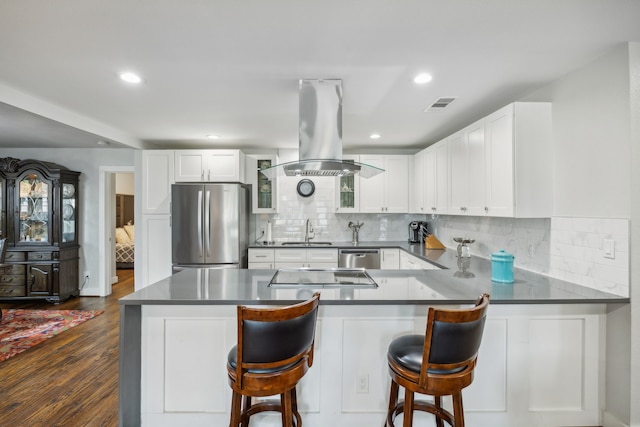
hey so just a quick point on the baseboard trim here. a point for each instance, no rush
(609, 420)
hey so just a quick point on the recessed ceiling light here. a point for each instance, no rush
(213, 136)
(130, 77)
(422, 78)
(375, 136)
(103, 142)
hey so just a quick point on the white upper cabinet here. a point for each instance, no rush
(386, 192)
(417, 185)
(436, 178)
(157, 177)
(209, 166)
(264, 191)
(348, 189)
(518, 161)
(467, 170)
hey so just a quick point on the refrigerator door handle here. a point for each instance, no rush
(200, 221)
(207, 225)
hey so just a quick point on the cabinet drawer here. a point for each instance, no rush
(322, 255)
(12, 290)
(13, 269)
(12, 279)
(15, 256)
(290, 255)
(40, 256)
(260, 255)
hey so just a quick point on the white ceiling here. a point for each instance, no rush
(231, 67)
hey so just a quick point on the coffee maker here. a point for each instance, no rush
(418, 231)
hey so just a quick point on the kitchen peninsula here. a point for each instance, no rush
(543, 345)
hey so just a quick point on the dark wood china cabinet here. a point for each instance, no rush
(39, 218)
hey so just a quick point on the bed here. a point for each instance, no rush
(125, 246)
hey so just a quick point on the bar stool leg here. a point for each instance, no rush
(437, 401)
(236, 408)
(245, 406)
(393, 401)
(287, 412)
(458, 411)
(408, 409)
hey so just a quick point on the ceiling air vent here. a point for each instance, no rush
(439, 105)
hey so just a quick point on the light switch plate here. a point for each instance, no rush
(608, 248)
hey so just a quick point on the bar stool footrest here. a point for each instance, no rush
(419, 405)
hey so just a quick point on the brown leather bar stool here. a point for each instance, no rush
(274, 351)
(440, 363)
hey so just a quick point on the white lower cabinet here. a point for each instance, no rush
(293, 258)
(389, 259)
(410, 262)
(538, 365)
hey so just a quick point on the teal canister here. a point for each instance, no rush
(502, 267)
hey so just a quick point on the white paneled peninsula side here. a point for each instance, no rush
(541, 360)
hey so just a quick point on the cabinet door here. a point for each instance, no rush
(389, 259)
(189, 166)
(430, 183)
(396, 188)
(458, 173)
(372, 189)
(157, 177)
(348, 190)
(474, 136)
(263, 190)
(260, 266)
(418, 184)
(499, 158)
(467, 171)
(40, 279)
(223, 166)
(155, 252)
(442, 178)
(34, 205)
(322, 256)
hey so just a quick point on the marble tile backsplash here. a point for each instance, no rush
(569, 249)
(293, 210)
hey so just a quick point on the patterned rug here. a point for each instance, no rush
(22, 329)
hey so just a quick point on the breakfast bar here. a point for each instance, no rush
(540, 363)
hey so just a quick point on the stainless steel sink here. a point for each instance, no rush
(307, 244)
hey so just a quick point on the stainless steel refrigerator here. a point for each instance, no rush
(210, 225)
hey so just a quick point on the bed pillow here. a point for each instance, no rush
(130, 233)
(122, 236)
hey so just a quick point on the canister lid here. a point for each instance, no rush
(501, 256)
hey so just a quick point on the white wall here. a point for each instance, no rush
(594, 138)
(87, 161)
(124, 183)
(591, 136)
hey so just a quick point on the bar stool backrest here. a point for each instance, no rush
(273, 338)
(453, 337)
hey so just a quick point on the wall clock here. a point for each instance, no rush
(306, 187)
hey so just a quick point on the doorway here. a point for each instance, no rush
(114, 180)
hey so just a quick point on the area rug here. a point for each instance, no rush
(22, 329)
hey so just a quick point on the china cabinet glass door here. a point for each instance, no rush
(68, 212)
(3, 198)
(34, 207)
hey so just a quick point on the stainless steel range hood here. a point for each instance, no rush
(320, 135)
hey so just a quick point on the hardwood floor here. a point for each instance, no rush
(70, 379)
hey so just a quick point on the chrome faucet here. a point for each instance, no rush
(356, 229)
(308, 229)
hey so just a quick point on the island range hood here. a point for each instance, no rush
(320, 135)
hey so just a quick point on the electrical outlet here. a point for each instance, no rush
(609, 248)
(362, 384)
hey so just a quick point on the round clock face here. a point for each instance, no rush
(306, 187)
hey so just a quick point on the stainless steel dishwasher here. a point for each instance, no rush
(359, 258)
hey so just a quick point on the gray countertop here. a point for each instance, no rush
(454, 284)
